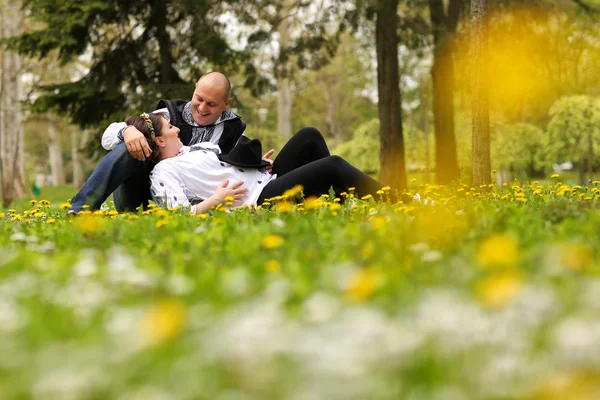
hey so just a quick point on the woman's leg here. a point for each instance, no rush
(318, 176)
(306, 146)
(115, 169)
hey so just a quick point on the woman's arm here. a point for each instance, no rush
(237, 193)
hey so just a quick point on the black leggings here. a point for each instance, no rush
(305, 160)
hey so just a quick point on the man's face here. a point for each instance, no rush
(208, 103)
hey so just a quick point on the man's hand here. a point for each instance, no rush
(136, 143)
(267, 159)
(238, 193)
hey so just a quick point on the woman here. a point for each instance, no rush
(201, 177)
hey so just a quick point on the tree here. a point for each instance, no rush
(444, 23)
(140, 51)
(574, 133)
(12, 169)
(481, 168)
(393, 168)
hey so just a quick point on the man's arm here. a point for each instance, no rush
(136, 143)
(110, 137)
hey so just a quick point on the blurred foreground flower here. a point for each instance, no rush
(569, 386)
(500, 289)
(165, 320)
(271, 241)
(497, 250)
(361, 285)
(88, 223)
(576, 256)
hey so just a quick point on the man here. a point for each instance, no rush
(125, 170)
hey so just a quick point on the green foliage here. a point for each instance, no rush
(518, 146)
(363, 149)
(574, 130)
(141, 51)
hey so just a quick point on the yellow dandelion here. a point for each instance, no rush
(272, 241)
(32, 202)
(2, 215)
(293, 191)
(284, 206)
(272, 266)
(497, 250)
(499, 289)
(112, 213)
(163, 322)
(367, 197)
(378, 221)
(361, 285)
(576, 256)
(202, 216)
(386, 188)
(87, 223)
(50, 220)
(312, 203)
(161, 223)
(44, 202)
(39, 214)
(554, 176)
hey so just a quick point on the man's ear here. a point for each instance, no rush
(228, 101)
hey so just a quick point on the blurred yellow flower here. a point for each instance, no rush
(271, 241)
(554, 176)
(378, 221)
(272, 266)
(284, 206)
(500, 289)
(50, 220)
(87, 223)
(576, 256)
(161, 223)
(497, 250)
(293, 191)
(367, 197)
(361, 285)
(2, 215)
(312, 203)
(569, 385)
(44, 202)
(163, 321)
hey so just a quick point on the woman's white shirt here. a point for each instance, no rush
(196, 175)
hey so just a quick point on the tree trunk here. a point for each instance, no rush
(393, 168)
(481, 168)
(442, 73)
(77, 144)
(12, 168)
(284, 95)
(55, 153)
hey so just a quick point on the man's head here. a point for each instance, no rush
(211, 97)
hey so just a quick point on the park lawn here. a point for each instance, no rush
(465, 294)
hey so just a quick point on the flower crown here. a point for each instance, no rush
(149, 123)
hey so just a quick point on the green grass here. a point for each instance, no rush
(490, 295)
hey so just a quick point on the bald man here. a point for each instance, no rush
(125, 170)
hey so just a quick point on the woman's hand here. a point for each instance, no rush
(237, 192)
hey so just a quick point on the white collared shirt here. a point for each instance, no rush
(196, 175)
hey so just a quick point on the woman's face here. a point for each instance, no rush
(168, 141)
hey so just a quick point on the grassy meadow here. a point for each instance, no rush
(466, 293)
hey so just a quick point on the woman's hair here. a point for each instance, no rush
(141, 125)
